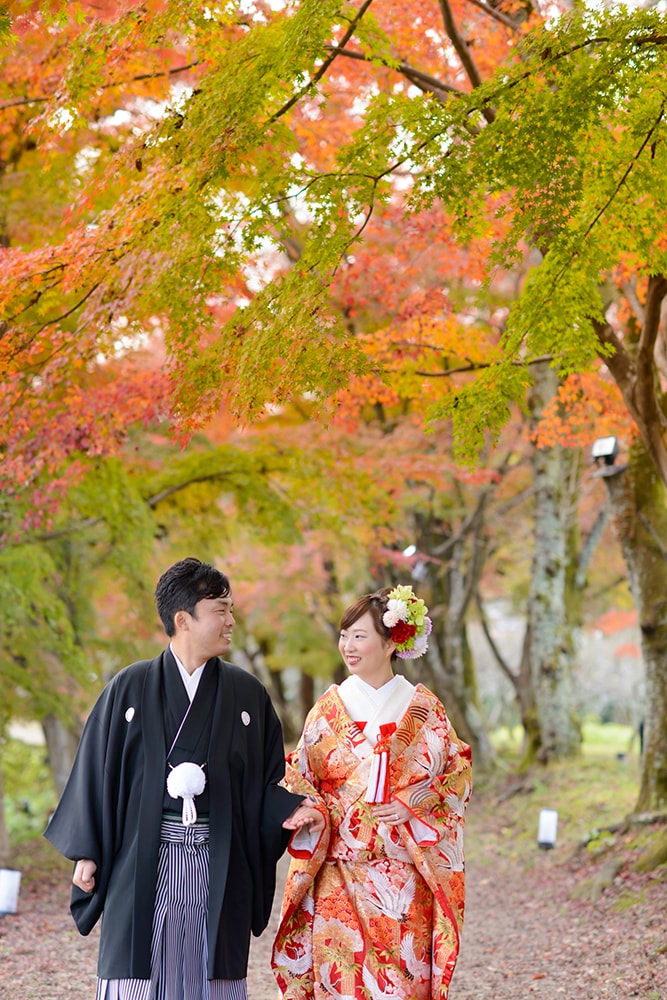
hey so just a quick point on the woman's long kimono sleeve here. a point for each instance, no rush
(438, 801)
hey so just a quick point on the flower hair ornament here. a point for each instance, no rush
(407, 619)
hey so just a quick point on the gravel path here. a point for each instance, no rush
(524, 935)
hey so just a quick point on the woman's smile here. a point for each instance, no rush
(365, 652)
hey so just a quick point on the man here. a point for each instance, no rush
(182, 881)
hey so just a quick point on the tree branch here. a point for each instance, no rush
(553, 58)
(178, 487)
(646, 388)
(589, 546)
(618, 361)
(104, 86)
(653, 533)
(660, 352)
(601, 211)
(73, 309)
(657, 290)
(479, 547)
(474, 367)
(325, 65)
(152, 502)
(637, 383)
(607, 587)
(463, 52)
(515, 501)
(630, 292)
(443, 550)
(425, 82)
(498, 15)
(627, 172)
(36, 296)
(500, 659)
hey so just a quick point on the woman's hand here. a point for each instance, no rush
(392, 813)
(84, 874)
(305, 815)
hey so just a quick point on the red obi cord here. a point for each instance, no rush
(378, 780)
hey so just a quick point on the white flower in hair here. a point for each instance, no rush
(407, 619)
(397, 611)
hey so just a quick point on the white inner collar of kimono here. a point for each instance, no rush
(376, 706)
(191, 681)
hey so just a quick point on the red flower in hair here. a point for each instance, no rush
(401, 632)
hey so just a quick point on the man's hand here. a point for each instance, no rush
(305, 815)
(84, 874)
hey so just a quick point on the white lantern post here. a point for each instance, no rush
(10, 880)
(547, 829)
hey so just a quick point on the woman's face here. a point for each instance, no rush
(366, 654)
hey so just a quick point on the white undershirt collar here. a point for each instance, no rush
(191, 681)
(376, 695)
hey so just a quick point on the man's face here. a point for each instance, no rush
(211, 626)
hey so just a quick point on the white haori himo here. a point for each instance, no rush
(185, 781)
(376, 707)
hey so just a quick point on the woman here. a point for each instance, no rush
(373, 906)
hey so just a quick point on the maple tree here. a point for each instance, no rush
(547, 153)
(471, 138)
(213, 306)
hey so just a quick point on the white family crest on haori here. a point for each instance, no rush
(129, 715)
(245, 718)
(185, 781)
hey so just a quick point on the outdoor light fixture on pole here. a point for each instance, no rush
(603, 453)
(605, 448)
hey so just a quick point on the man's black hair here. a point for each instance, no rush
(183, 585)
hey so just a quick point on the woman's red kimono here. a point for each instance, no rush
(374, 910)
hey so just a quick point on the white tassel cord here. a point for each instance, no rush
(185, 781)
(377, 778)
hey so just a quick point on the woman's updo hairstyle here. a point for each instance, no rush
(373, 604)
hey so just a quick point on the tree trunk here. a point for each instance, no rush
(61, 745)
(639, 504)
(253, 657)
(449, 581)
(306, 694)
(525, 693)
(5, 850)
(549, 635)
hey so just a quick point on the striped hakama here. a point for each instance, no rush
(179, 951)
